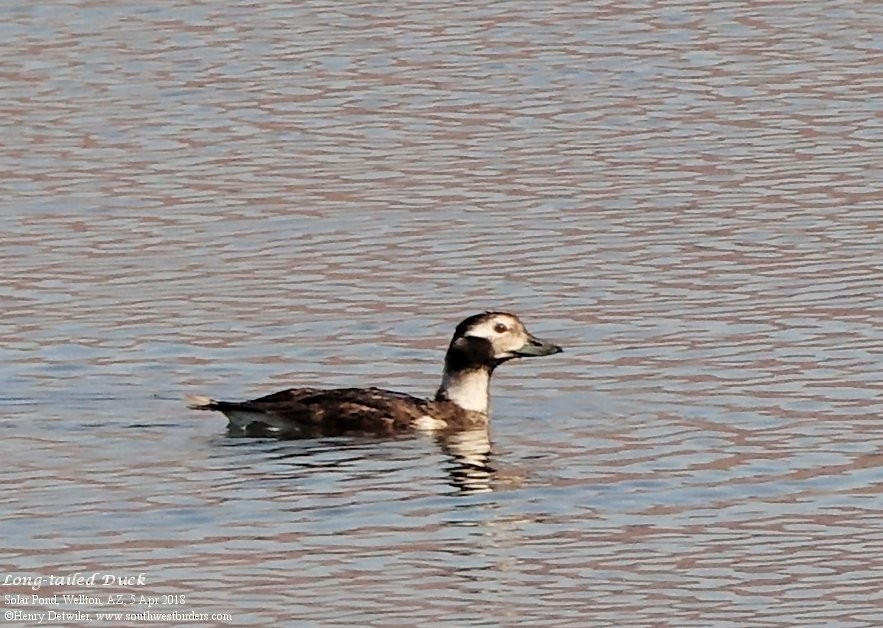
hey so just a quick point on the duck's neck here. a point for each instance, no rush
(468, 388)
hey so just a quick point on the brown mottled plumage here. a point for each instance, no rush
(480, 344)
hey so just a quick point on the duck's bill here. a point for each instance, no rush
(534, 347)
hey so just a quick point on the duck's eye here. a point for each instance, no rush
(500, 328)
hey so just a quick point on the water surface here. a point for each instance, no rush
(231, 199)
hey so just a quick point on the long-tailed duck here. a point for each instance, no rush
(480, 344)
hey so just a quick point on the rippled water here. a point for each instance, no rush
(229, 198)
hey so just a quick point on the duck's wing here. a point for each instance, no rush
(355, 409)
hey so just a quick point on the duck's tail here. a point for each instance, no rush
(201, 402)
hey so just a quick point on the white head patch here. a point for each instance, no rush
(505, 333)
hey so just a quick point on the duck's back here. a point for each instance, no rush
(340, 410)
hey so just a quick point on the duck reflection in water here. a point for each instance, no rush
(467, 463)
(469, 453)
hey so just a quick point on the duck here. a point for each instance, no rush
(480, 344)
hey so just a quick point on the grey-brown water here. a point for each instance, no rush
(232, 198)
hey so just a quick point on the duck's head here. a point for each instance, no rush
(480, 344)
(489, 339)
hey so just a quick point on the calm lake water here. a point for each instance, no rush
(233, 198)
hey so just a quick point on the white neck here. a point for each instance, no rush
(468, 389)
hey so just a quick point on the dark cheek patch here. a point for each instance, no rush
(470, 352)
